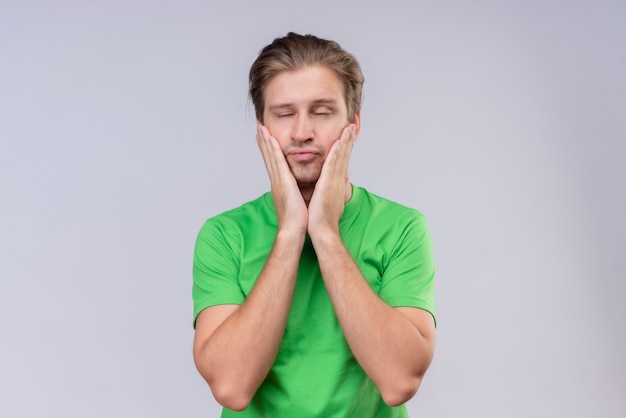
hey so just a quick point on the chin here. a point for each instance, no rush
(306, 177)
(306, 180)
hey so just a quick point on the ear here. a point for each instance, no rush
(356, 120)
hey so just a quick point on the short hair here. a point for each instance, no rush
(293, 52)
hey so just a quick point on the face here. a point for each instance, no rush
(305, 110)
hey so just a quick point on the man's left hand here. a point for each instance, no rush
(333, 189)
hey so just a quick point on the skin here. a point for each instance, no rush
(306, 144)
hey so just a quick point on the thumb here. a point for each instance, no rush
(348, 190)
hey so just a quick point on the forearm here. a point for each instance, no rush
(387, 345)
(237, 356)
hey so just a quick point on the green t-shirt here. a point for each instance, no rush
(315, 374)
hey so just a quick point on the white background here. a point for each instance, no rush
(125, 124)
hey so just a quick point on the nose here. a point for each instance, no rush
(303, 128)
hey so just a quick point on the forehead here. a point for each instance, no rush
(304, 86)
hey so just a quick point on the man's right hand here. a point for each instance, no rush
(290, 208)
(236, 345)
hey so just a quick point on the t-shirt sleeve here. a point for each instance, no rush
(409, 278)
(215, 269)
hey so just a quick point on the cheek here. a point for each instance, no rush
(329, 132)
(280, 132)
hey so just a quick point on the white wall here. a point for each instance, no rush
(125, 124)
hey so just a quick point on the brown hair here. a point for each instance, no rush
(293, 52)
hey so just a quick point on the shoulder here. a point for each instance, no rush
(384, 208)
(261, 206)
(237, 221)
(389, 222)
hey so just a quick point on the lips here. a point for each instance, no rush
(303, 154)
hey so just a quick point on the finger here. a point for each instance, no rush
(265, 146)
(278, 157)
(276, 160)
(351, 135)
(348, 190)
(342, 149)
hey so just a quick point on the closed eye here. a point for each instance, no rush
(322, 110)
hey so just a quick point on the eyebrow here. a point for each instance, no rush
(318, 102)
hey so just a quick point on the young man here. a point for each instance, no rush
(314, 300)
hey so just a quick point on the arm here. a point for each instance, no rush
(393, 346)
(235, 346)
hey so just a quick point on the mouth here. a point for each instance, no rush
(303, 154)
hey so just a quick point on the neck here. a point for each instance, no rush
(307, 192)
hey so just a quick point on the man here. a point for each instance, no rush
(314, 300)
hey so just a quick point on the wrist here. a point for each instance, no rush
(291, 236)
(324, 238)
